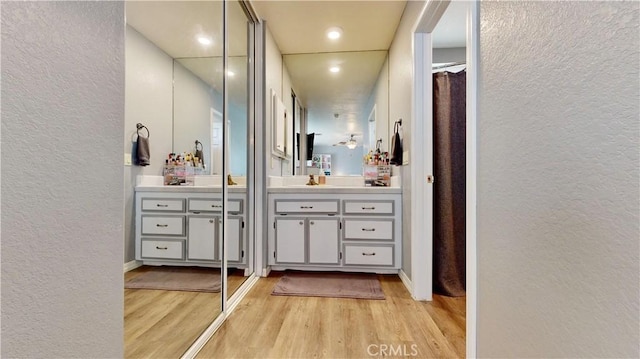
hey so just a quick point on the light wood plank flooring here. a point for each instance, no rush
(266, 326)
(163, 324)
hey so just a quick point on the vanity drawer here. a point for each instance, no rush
(313, 206)
(368, 207)
(172, 226)
(214, 205)
(368, 255)
(163, 249)
(163, 204)
(381, 229)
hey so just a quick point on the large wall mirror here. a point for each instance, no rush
(176, 83)
(345, 96)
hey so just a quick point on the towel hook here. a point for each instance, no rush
(140, 126)
(397, 125)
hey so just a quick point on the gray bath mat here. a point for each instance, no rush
(330, 284)
(187, 279)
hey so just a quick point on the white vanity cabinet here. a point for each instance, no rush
(306, 231)
(324, 241)
(343, 231)
(290, 238)
(310, 240)
(182, 226)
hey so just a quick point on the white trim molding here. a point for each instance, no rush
(406, 281)
(473, 60)
(131, 265)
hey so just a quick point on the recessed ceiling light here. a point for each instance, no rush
(204, 40)
(334, 33)
(334, 69)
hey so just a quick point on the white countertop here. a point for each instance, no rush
(205, 184)
(213, 184)
(332, 189)
(188, 189)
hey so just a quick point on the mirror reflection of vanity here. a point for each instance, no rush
(351, 104)
(177, 87)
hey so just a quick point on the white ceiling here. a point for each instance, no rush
(298, 28)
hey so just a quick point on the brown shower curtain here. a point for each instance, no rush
(449, 241)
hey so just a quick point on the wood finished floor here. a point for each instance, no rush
(162, 323)
(266, 326)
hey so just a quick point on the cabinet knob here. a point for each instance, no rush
(301, 222)
(211, 221)
(311, 222)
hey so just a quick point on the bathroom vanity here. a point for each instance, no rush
(342, 228)
(182, 225)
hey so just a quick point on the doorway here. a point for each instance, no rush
(422, 169)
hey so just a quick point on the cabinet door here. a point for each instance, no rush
(202, 238)
(323, 241)
(234, 239)
(290, 240)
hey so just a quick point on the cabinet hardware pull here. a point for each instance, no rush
(301, 222)
(368, 254)
(163, 248)
(211, 221)
(371, 208)
(368, 229)
(311, 222)
(162, 225)
(216, 206)
(306, 207)
(162, 205)
(196, 212)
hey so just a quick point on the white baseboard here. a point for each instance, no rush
(131, 265)
(406, 281)
(266, 271)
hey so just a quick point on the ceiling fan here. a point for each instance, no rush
(351, 143)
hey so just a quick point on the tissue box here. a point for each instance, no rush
(377, 176)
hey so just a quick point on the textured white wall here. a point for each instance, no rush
(558, 175)
(148, 101)
(400, 106)
(62, 179)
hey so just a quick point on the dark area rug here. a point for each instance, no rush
(187, 279)
(329, 284)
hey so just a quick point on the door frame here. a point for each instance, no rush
(421, 245)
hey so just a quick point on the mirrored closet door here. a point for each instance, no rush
(177, 87)
(239, 72)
